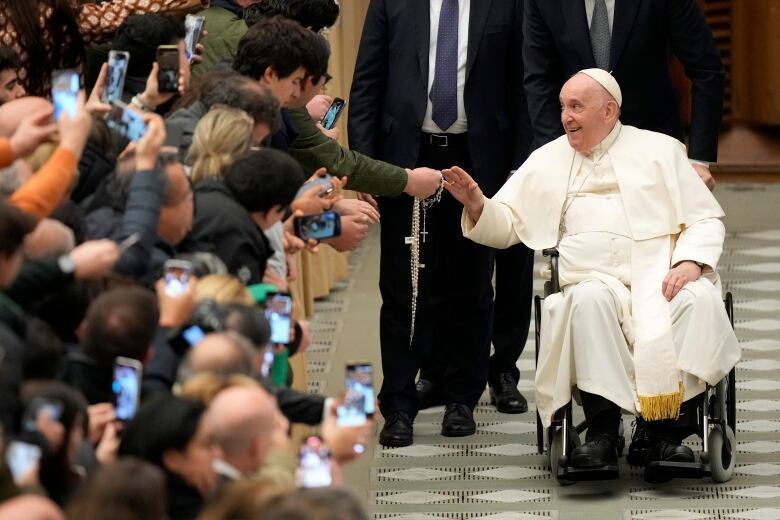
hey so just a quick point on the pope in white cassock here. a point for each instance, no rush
(639, 324)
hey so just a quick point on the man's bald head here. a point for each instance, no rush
(13, 112)
(222, 354)
(588, 112)
(243, 420)
(31, 507)
(51, 238)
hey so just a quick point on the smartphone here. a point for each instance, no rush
(126, 121)
(21, 457)
(278, 310)
(331, 117)
(358, 395)
(168, 73)
(30, 418)
(326, 181)
(193, 26)
(65, 86)
(177, 276)
(127, 387)
(318, 227)
(193, 335)
(115, 79)
(314, 469)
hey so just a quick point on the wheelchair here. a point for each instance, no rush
(717, 422)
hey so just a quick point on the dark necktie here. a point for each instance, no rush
(600, 35)
(444, 91)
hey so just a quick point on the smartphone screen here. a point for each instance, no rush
(177, 276)
(278, 308)
(331, 117)
(126, 121)
(37, 406)
(314, 469)
(193, 25)
(65, 92)
(193, 335)
(115, 79)
(318, 227)
(168, 73)
(359, 378)
(21, 457)
(127, 387)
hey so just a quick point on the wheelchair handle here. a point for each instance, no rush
(555, 285)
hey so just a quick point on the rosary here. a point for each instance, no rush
(414, 240)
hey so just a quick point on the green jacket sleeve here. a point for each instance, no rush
(314, 150)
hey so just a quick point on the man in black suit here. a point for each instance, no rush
(438, 83)
(634, 39)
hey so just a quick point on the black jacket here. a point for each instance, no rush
(12, 332)
(644, 36)
(390, 88)
(223, 227)
(89, 376)
(180, 126)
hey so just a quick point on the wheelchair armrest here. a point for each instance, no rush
(554, 283)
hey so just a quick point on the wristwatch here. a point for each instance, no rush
(66, 264)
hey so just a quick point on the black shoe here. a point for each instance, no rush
(640, 444)
(458, 421)
(397, 431)
(429, 394)
(505, 395)
(665, 450)
(598, 452)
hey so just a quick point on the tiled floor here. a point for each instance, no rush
(497, 473)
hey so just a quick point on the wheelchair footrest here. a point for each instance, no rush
(678, 469)
(582, 474)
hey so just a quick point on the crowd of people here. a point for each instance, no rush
(140, 376)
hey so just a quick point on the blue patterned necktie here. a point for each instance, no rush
(444, 91)
(600, 36)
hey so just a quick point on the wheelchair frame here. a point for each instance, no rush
(718, 421)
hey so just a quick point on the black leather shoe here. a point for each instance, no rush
(397, 431)
(640, 444)
(598, 452)
(458, 421)
(505, 395)
(429, 394)
(665, 450)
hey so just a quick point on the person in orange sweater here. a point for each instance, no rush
(45, 190)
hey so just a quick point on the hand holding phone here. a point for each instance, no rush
(127, 387)
(318, 227)
(325, 181)
(278, 311)
(359, 399)
(333, 113)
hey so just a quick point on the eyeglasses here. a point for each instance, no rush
(328, 77)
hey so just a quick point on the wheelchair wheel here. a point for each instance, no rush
(723, 453)
(555, 451)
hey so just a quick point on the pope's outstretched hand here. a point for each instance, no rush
(465, 190)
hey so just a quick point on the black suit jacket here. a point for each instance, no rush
(390, 87)
(645, 33)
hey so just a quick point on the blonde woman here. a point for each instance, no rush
(221, 135)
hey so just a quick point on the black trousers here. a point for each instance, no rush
(514, 296)
(455, 300)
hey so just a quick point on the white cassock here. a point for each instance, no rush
(632, 208)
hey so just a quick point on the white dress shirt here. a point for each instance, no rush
(460, 125)
(590, 5)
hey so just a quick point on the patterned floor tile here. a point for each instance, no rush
(764, 325)
(419, 474)
(761, 345)
(510, 496)
(767, 513)
(512, 472)
(671, 493)
(759, 426)
(763, 469)
(766, 252)
(759, 385)
(768, 267)
(759, 405)
(755, 492)
(759, 447)
(760, 285)
(671, 514)
(416, 497)
(763, 365)
(770, 234)
(759, 305)
(510, 427)
(507, 449)
(422, 450)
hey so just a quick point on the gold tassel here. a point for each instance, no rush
(661, 406)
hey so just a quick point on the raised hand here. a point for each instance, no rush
(34, 129)
(465, 190)
(422, 182)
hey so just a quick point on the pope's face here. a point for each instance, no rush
(584, 113)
